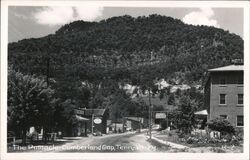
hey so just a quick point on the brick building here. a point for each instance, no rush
(224, 94)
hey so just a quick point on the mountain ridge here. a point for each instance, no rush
(167, 46)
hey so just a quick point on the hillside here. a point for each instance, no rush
(121, 47)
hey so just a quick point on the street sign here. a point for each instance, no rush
(97, 121)
(79, 112)
(160, 115)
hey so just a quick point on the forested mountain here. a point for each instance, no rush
(122, 50)
(121, 45)
(87, 64)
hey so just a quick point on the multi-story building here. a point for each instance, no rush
(224, 94)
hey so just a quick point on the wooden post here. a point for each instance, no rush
(92, 123)
(85, 129)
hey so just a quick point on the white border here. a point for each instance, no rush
(109, 156)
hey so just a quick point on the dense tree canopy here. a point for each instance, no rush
(30, 102)
(120, 45)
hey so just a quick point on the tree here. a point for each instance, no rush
(176, 47)
(171, 99)
(30, 102)
(186, 119)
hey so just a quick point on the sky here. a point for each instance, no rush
(33, 22)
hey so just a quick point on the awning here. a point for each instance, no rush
(203, 112)
(79, 118)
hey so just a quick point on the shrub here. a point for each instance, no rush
(192, 140)
(217, 150)
(239, 133)
(221, 125)
(235, 140)
(181, 135)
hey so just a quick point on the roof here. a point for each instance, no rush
(138, 119)
(203, 112)
(181, 87)
(155, 101)
(96, 112)
(228, 68)
(80, 118)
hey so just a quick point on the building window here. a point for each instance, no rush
(223, 81)
(240, 121)
(240, 80)
(223, 116)
(240, 99)
(222, 98)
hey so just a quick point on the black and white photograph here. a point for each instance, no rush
(114, 78)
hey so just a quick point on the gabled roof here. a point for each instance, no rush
(96, 112)
(80, 118)
(228, 68)
(203, 112)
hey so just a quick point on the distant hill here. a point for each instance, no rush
(119, 47)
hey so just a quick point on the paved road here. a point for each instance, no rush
(124, 142)
(127, 142)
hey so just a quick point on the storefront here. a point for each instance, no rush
(80, 127)
(97, 120)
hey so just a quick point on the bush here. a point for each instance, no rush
(192, 140)
(221, 125)
(235, 140)
(239, 133)
(181, 135)
(217, 150)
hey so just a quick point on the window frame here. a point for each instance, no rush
(237, 121)
(240, 104)
(225, 99)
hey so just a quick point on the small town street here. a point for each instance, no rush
(124, 79)
(123, 142)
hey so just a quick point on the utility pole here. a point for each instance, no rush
(92, 123)
(140, 121)
(150, 104)
(167, 119)
(48, 125)
(150, 115)
(47, 70)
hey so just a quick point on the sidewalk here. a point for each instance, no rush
(163, 141)
(171, 144)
